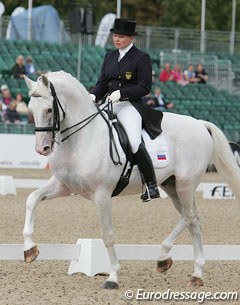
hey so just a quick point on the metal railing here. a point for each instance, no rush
(187, 39)
(23, 128)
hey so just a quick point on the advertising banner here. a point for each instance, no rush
(18, 151)
(104, 29)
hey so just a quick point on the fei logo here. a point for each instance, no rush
(222, 191)
(217, 191)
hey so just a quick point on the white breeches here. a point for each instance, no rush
(131, 120)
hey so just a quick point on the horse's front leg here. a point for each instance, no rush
(104, 211)
(53, 188)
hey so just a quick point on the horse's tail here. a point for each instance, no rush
(223, 158)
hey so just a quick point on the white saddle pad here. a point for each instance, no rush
(158, 149)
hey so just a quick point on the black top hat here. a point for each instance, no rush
(124, 27)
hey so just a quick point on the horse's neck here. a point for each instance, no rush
(91, 129)
(83, 148)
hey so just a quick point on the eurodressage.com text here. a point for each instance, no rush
(168, 295)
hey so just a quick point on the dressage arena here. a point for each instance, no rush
(66, 220)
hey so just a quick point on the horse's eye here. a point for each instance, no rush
(49, 110)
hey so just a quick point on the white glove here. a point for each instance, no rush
(93, 97)
(115, 96)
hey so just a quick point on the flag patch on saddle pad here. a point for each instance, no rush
(161, 157)
(158, 149)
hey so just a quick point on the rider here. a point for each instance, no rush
(126, 76)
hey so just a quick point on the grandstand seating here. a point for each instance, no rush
(200, 101)
(205, 102)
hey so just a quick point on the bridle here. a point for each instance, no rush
(56, 115)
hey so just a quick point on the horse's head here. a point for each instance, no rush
(44, 106)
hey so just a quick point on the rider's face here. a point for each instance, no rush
(122, 41)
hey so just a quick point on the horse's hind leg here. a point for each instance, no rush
(199, 262)
(183, 201)
(53, 188)
(191, 218)
(164, 260)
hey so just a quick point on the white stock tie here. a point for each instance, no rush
(120, 56)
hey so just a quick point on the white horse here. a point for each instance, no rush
(82, 165)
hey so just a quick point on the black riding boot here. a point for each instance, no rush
(146, 167)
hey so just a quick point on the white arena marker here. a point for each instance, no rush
(93, 258)
(7, 185)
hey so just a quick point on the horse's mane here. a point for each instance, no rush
(54, 76)
(71, 78)
(62, 73)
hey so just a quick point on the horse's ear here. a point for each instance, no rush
(45, 80)
(29, 82)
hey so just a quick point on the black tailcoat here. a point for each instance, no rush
(132, 75)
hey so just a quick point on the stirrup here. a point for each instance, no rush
(151, 192)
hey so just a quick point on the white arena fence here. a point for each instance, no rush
(90, 257)
(216, 190)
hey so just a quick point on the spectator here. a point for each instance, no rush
(5, 98)
(153, 77)
(189, 74)
(21, 106)
(30, 67)
(149, 101)
(201, 75)
(178, 75)
(166, 74)
(22, 109)
(19, 69)
(158, 102)
(11, 115)
(162, 104)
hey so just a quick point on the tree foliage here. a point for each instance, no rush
(144, 12)
(165, 13)
(187, 14)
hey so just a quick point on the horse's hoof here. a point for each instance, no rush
(163, 266)
(31, 254)
(110, 285)
(195, 281)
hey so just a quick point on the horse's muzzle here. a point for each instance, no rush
(44, 145)
(45, 150)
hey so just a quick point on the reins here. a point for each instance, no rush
(87, 120)
(112, 143)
